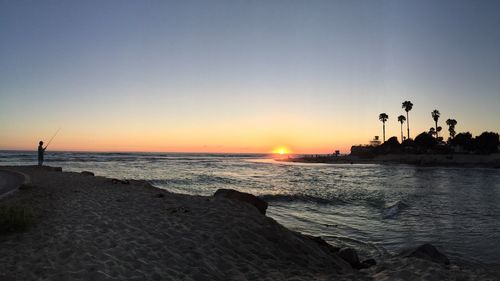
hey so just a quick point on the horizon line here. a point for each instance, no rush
(152, 152)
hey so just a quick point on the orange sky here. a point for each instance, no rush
(263, 129)
(309, 129)
(217, 138)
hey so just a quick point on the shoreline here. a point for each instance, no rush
(91, 227)
(439, 160)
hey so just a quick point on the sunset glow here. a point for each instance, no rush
(281, 151)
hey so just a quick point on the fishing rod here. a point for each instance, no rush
(53, 137)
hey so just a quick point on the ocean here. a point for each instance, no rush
(377, 209)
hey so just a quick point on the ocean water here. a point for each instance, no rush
(376, 208)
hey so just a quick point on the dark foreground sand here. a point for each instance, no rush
(89, 228)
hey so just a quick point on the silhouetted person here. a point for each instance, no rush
(41, 151)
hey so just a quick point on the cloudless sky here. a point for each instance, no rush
(242, 76)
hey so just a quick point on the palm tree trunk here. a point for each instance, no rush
(401, 132)
(437, 130)
(408, 124)
(384, 129)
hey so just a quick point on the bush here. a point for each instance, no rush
(390, 146)
(392, 142)
(425, 141)
(464, 140)
(15, 218)
(487, 142)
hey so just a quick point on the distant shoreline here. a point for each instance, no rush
(461, 160)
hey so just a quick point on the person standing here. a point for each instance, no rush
(41, 151)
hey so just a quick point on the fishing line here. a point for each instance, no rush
(53, 137)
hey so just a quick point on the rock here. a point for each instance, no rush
(142, 183)
(368, 263)
(25, 186)
(258, 203)
(87, 173)
(160, 195)
(116, 181)
(323, 244)
(50, 168)
(351, 256)
(427, 252)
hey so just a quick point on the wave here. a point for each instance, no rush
(375, 203)
(216, 179)
(298, 198)
(69, 156)
(167, 182)
(197, 180)
(394, 209)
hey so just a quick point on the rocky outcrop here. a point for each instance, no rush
(351, 256)
(87, 173)
(427, 252)
(327, 248)
(248, 198)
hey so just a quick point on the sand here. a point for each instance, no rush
(453, 160)
(89, 228)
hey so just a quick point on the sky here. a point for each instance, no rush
(242, 76)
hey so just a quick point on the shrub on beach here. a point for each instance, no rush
(14, 218)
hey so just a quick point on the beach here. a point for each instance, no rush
(93, 228)
(446, 160)
(249, 140)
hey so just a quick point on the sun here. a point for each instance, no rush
(281, 151)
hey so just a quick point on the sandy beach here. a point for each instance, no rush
(94, 228)
(451, 160)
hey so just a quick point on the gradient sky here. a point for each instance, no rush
(242, 76)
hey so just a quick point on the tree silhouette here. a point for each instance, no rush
(425, 141)
(464, 140)
(451, 127)
(487, 142)
(407, 105)
(435, 115)
(392, 145)
(401, 119)
(383, 117)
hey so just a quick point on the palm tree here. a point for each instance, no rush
(451, 127)
(407, 105)
(383, 117)
(435, 115)
(401, 119)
